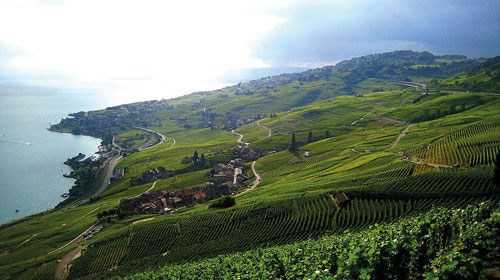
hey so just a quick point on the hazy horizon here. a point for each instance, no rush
(156, 50)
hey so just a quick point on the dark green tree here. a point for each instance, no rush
(453, 109)
(293, 145)
(310, 137)
(203, 160)
(496, 171)
(327, 133)
(195, 156)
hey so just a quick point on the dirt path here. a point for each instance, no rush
(172, 144)
(240, 140)
(419, 162)
(362, 117)
(152, 187)
(93, 210)
(257, 177)
(401, 135)
(266, 128)
(143, 220)
(27, 240)
(356, 151)
(62, 268)
(392, 120)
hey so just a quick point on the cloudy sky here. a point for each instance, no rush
(198, 42)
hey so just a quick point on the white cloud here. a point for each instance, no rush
(172, 41)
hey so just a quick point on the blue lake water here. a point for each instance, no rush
(31, 157)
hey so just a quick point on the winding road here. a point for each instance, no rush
(257, 177)
(240, 140)
(266, 128)
(145, 146)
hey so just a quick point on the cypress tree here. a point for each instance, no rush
(293, 146)
(310, 137)
(496, 172)
(203, 160)
(327, 133)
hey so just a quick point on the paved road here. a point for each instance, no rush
(162, 138)
(75, 240)
(109, 166)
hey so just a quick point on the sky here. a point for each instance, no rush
(182, 46)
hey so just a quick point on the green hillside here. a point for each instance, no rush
(373, 160)
(484, 77)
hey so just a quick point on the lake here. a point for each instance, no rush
(31, 157)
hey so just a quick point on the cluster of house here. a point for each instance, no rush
(230, 174)
(249, 154)
(225, 179)
(234, 121)
(96, 121)
(150, 175)
(166, 202)
(118, 174)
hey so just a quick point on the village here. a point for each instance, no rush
(223, 180)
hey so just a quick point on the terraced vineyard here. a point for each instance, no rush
(260, 225)
(475, 144)
(434, 244)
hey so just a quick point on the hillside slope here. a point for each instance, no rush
(372, 155)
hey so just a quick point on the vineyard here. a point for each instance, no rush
(437, 244)
(264, 225)
(475, 144)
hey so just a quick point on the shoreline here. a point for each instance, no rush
(56, 205)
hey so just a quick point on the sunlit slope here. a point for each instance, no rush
(294, 201)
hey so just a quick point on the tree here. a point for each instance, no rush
(453, 109)
(203, 160)
(225, 202)
(496, 172)
(293, 145)
(327, 133)
(195, 156)
(310, 137)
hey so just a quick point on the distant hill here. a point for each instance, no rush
(483, 77)
(223, 108)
